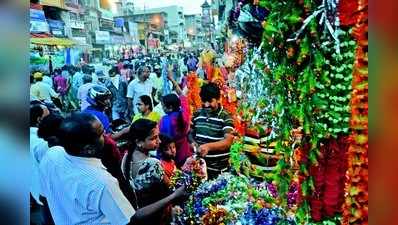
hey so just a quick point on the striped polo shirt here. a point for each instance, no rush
(211, 126)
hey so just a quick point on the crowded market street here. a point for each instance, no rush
(234, 112)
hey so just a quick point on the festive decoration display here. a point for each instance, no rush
(234, 200)
(296, 87)
(355, 209)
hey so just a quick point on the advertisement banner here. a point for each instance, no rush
(38, 23)
(36, 14)
(57, 27)
(102, 37)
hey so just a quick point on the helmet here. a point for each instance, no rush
(98, 96)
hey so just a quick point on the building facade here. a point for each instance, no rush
(175, 22)
(193, 28)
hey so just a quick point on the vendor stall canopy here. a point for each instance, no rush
(53, 41)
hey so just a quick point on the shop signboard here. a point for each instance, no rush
(106, 24)
(76, 24)
(57, 27)
(38, 23)
(102, 37)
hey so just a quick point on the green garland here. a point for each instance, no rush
(311, 83)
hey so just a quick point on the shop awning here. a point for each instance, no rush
(52, 41)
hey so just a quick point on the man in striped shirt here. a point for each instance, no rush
(212, 128)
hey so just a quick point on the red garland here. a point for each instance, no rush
(328, 174)
(355, 208)
(347, 12)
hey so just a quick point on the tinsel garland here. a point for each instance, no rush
(355, 208)
(312, 88)
(234, 200)
(190, 180)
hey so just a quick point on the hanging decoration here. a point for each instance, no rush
(355, 208)
(328, 179)
(327, 10)
(310, 76)
(298, 96)
(193, 85)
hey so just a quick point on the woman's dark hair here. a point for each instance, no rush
(165, 141)
(76, 133)
(147, 101)
(209, 91)
(139, 131)
(49, 129)
(173, 102)
(36, 111)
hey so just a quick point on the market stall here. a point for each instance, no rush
(44, 49)
(294, 78)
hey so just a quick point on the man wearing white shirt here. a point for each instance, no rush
(38, 147)
(138, 87)
(78, 188)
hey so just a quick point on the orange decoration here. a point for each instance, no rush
(193, 96)
(355, 208)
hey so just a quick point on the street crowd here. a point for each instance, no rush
(106, 139)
